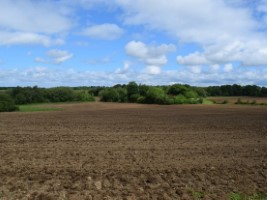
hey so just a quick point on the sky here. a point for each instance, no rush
(52, 43)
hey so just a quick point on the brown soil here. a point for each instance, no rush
(131, 151)
(233, 100)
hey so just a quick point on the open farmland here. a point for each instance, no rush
(244, 99)
(133, 151)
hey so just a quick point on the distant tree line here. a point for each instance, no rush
(134, 93)
(10, 97)
(236, 90)
(28, 95)
(131, 92)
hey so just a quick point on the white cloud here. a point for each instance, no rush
(152, 56)
(33, 22)
(203, 21)
(39, 60)
(228, 68)
(214, 68)
(48, 77)
(59, 56)
(55, 56)
(193, 59)
(152, 70)
(227, 31)
(123, 70)
(99, 61)
(33, 16)
(195, 69)
(14, 38)
(104, 31)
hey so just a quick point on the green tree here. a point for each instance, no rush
(7, 104)
(109, 95)
(122, 92)
(132, 91)
(61, 94)
(156, 95)
(83, 95)
(177, 89)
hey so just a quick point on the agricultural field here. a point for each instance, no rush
(244, 99)
(134, 151)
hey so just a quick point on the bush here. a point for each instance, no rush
(60, 94)
(155, 95)
(239, 101)
(7, 104)
(83, 95)
(109, 95)
(225, 101)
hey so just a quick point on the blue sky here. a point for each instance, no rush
(105, 42)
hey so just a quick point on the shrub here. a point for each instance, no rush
(83, 95)
(239, 101)
(7, 104)
(109, 95)
(225, 101)
(155, 95)
(254, 102)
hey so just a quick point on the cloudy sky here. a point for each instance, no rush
(105, 42)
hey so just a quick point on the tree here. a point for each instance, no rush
(83, 95)
(251, 90)
(156, 95)
(7, 104)
(109, 95)
(132, 91)
(177, 89)
(61, 94)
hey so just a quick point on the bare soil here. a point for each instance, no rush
(131, 151)
(233, 100)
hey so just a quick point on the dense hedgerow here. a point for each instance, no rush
(165, 95)
(7, 104)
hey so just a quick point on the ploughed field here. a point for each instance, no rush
(132, 151)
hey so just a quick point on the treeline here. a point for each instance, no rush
(10, 97)
(236, 90)
(28, 95)
(131, 92)
(134, 93)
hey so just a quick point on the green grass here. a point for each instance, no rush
(207, 102)
(36, 108)
(239, 196)
(197, 195)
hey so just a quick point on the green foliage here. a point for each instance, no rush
(177, 89)
(236, 196)
(122, 94)
(197, 195)
(143, 89)
(109, 95)
(258, 196)
(240, 196)
(29, 95)
(60, 94)
(190, 94)
(236, 90)
(156, 95)
(132, 91)
(151, 94)
(83, 95)
(36, 108)
(113, 95)
(7, 104)
(134, 97)
(253, 102)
